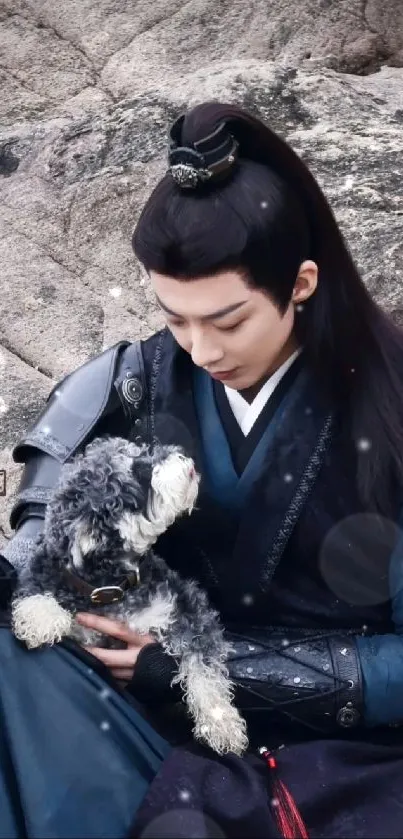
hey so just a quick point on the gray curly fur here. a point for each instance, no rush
(112, 478)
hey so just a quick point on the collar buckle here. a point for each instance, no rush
(106, 594)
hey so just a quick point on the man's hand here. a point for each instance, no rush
(121, 663)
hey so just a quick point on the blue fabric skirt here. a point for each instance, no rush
(76, 759)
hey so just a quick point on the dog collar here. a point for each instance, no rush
(102, 595)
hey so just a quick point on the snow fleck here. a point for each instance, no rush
(105, 725)
(285, 643)
(115, 292)
(299, 307)
(363, 444)
(46, 429)
(247, 600)
(264, 205)
(349, 182)
(288, 477)
(251, 648)
(105, 693)
(3, 406)
(249, 669)
(274, 802)
(297, 680)
(184, 795)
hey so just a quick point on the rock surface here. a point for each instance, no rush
(88, 91)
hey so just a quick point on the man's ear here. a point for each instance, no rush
(306, 282)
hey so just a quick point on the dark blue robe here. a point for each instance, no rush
(256, 543)
(76, 759)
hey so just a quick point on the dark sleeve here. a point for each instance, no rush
(152, 677)
(314, 680)
(382, 655)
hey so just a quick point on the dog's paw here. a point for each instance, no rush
(39, 619)
(222, 729)
(209, 694)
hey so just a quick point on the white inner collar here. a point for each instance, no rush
(246, 414)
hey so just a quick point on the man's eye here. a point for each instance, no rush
(175, 323)
(231, 328)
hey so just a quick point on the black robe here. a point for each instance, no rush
(262, 565)
(259, 552)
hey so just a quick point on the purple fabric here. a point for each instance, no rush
(196, 794)
(347, 789)
(342, 788)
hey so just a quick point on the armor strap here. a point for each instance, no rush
(131, 386)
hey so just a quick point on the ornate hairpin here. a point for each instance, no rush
(206, 159)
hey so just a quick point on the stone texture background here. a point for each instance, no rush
(89, 88)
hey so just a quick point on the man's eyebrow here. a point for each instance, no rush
(212, 316)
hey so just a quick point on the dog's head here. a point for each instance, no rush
(114, 501)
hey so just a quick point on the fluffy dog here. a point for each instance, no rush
(110, 506)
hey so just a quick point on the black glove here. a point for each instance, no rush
(152, 677)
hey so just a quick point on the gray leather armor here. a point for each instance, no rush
(107, 389)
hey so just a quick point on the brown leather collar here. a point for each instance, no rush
(103, 595)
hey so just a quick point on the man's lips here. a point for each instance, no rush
(224, 374)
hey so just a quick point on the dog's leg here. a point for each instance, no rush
(39, 619)
(208, 694)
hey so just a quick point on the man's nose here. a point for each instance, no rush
(205, 352)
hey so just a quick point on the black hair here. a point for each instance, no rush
(265, 219)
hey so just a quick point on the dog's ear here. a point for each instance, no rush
(142, 473)
(83, 543)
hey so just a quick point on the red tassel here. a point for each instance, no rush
(288, 818)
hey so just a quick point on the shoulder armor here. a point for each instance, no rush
(106, 393)
(76, 405)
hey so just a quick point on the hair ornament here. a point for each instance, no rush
(205, 160)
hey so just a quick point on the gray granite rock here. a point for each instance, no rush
(22, 394)
(88, 91)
